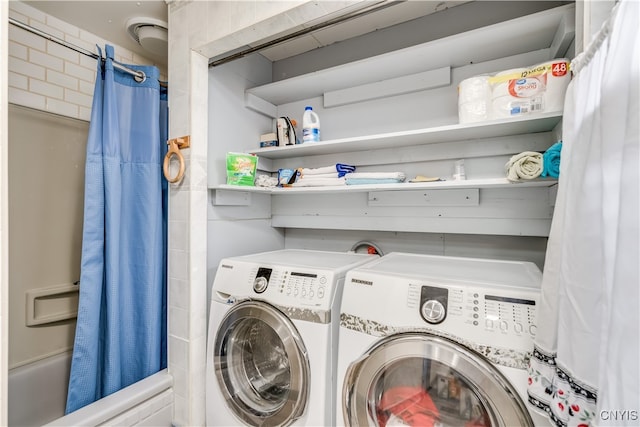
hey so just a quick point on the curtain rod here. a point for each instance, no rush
(380, 5)
(139, 76)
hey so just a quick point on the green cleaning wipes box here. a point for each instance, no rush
(241, 168)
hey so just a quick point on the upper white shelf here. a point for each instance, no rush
(553, 29)
(438, 185)
(544, 122)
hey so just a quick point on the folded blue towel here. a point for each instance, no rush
(551, 161)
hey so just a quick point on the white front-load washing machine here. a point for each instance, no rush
(272, 339)
(437, 341)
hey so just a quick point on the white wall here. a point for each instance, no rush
(523, 248)
(236, 230)
(45, 227)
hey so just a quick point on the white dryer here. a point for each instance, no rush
(437, 341)
(272, 342)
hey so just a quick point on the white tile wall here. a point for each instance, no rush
(47, 76)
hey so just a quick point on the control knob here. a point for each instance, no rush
(260, 284)
(433, 311)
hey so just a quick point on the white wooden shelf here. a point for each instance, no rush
(491, 206)
(438, 185)
(544, 122)
(551, 29)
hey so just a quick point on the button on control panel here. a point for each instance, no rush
(309, 287)
(508, 315)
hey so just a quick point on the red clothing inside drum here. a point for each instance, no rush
(412, 405)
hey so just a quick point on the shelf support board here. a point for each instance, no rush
(462, 197)
(231, 198)
(484, 226)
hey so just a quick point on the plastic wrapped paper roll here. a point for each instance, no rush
(474, 96)
(474, 89)
(475, 111)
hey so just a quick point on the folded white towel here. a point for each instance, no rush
(266, 181)
(319, 182)
(340, 168)
(377, 175)
(318, 175)
(526, 165)
(318, 171)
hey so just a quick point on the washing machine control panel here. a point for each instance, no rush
(494, 314)
(305, 287)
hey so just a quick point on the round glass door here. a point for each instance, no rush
(261, 365)
(417, 379)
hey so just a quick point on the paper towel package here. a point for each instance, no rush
(513, 93)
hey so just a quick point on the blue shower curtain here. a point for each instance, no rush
(121, 328)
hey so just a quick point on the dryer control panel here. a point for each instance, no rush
(482, 312)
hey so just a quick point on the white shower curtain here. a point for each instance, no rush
(585, 369)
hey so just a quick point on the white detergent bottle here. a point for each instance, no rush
(310, 126)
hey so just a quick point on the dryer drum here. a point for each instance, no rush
(261, 365)
(457, 386)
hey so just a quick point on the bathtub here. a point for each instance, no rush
(38, 392)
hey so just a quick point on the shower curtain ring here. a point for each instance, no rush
(140, 77)
(175, 145)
